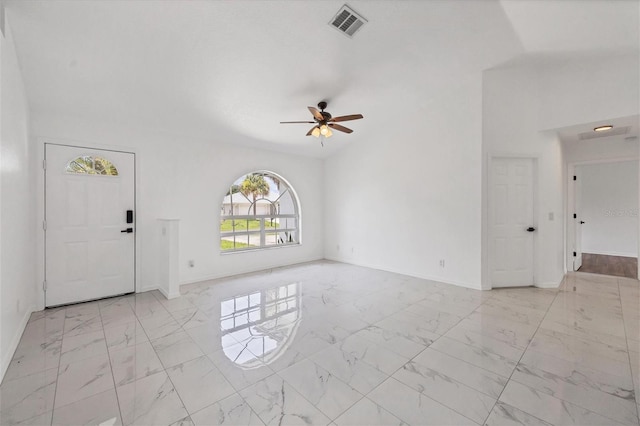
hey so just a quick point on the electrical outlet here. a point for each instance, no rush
(192, 264)
(442, 263)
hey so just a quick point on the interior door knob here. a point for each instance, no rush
(581, 222)
(531, 229)
(128, 230)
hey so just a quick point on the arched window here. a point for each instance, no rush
(91, 166)
(259, 210)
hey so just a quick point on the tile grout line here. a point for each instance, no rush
(60, 359)
(521, 356)
(55, 393)
(308, 357)
(551, 395)
(626, 338)
(619, 300)
(113, 378)
(213, 364)
(164, 369)
(331, 420)
(390, 376)
(466, 317)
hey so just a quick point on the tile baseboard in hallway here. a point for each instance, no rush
(618, 266)
(330, 343)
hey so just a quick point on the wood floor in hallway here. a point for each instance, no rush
(610, 265)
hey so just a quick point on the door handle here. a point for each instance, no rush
(581, 222)
(127, 231)
(531, 229)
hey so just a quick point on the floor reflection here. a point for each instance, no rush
(263, 321)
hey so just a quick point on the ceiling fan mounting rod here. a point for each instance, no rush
(322, 105)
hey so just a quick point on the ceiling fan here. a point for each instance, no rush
(324, 122)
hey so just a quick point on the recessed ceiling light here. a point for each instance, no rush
(603, 128)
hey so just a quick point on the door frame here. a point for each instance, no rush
(570, 234)
(487, 261)
(41, 207)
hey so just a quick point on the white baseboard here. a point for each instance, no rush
(167, 295)
(548, 284)
(609, 253)
(551, 284)
(160, 289)
(395, 271)
(247, 271)
(8, 354)
(200, 279)
(145, 289)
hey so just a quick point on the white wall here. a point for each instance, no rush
(184, 178)
(613, 148)
(511, 128)
(409, 195)
(610, 208)
(17, 253)
(3, 362)
(588, 90)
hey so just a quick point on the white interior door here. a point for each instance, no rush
(577, 221)
(88, 256)
(511, 228)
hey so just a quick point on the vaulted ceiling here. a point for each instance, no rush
(210, 69)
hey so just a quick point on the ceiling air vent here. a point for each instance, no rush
(347, 21)
(616, 131)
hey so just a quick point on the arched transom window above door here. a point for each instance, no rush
(89, 165)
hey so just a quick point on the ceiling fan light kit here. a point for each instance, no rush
(325, 122)
(324, 131)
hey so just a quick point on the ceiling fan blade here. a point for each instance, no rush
(309, 132)
(346, 118)
(316, 113)
(296, 122)
(340, 128)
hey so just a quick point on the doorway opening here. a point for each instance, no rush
(605, 218)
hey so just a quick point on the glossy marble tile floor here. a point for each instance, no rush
(329, 343)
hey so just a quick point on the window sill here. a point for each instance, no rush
(250, 250)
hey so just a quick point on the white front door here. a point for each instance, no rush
(577, 221)
(511, 228)
(90, 244)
